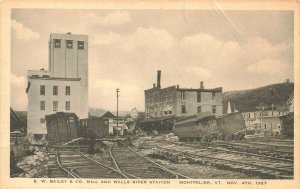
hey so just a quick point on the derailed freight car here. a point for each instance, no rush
(61, 127)
(202, 126)
(207, 127)
(99, 125)
(232, 126)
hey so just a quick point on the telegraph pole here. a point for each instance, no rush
(117, 90)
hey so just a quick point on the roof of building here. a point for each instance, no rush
(158, 88)
(218, 89)
(54, 78)
(108, 114)
(60, 115)
(69, 35)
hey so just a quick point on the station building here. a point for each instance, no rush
(61, 88)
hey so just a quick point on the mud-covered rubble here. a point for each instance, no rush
(171, 137)
(35, 164)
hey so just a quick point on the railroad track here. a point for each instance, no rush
(280, 152)
(74, 164)
(253, 149)
(273, 141)
(252, 165)
(136, 166)
(117, 162)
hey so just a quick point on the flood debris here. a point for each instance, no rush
(171, 137)
(34, 164)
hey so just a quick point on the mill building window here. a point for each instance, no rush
(80, 45)
(213, 95)
(68, 105)
(55, 106)
(69, 44)
(42, 120)
(199, 109)
(182, 95)
(214, 109)
(42, 90)
(183, 110)
(42, 105)
(198, 96)
(57, 43)
(55, 90)
(68, 90)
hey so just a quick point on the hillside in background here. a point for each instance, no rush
(253, 99)
(243, 100)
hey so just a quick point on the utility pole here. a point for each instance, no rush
(117, 90)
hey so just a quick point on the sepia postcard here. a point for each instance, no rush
(149, 94)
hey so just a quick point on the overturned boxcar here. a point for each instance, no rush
(230, 124)
(206, 126)
(200, 126)
(61, 127)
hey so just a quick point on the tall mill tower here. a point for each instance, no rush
(61, 88)
(68, 58)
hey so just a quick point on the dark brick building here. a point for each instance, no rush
(176, 101)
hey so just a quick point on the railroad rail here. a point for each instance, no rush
(134, 165)
(246, 149)
(123, 162)
(247, 163)
(75, 164)
(267, 151)
(272, 141)
(286, 153)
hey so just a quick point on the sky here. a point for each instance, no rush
(235, 50)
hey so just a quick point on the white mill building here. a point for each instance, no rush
(62, 88)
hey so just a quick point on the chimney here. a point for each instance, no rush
(177, 86)
(201, 85)
(158, 78)
(153, 85)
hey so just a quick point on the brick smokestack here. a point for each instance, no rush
(158, 78)
(201, 85)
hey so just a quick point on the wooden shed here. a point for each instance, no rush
(61, 127)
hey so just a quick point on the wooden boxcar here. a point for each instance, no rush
(205, 126)
(61, 127)
(229, 124)
(99, 125)
(196, 127)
